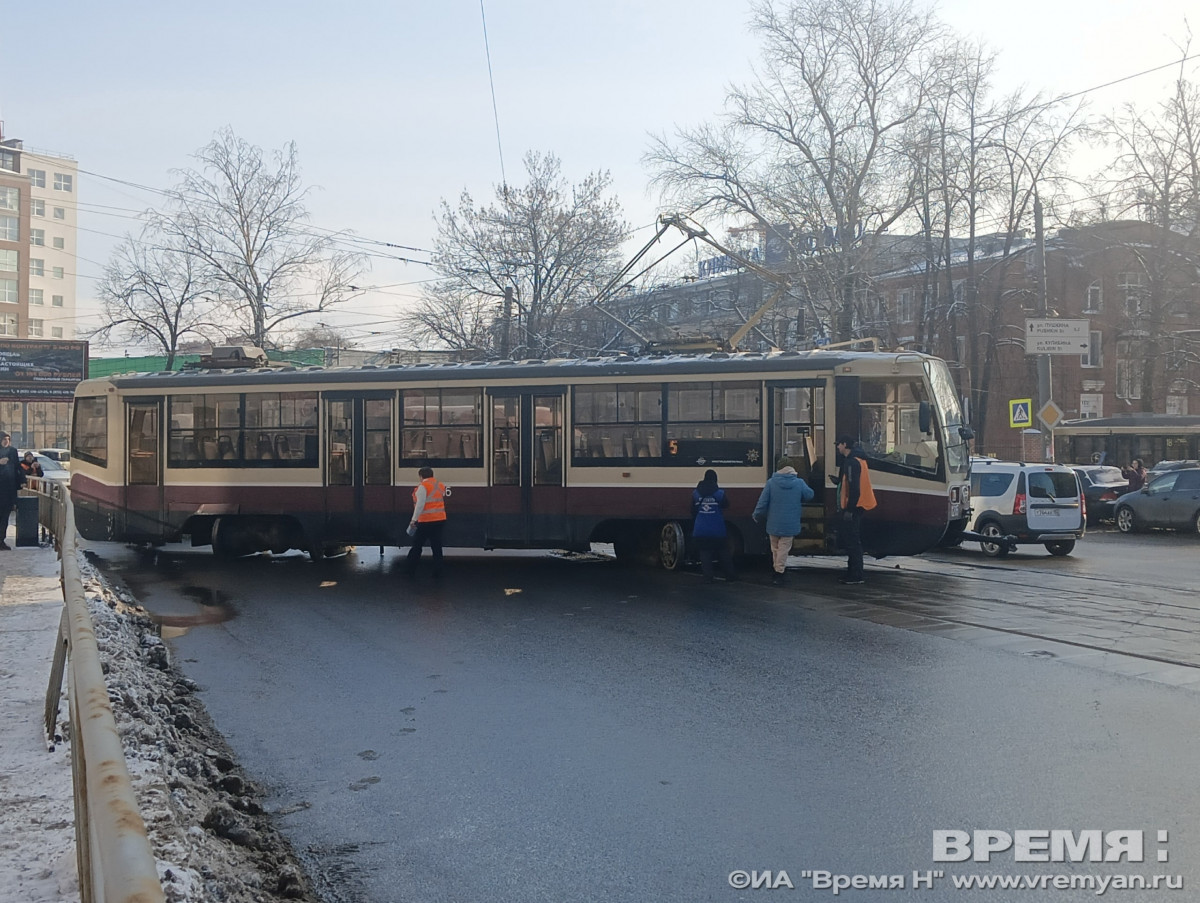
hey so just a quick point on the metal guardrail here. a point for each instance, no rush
(113, 852)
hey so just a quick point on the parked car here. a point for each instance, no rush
(1035, 503)
(61, 455)
(1171, 500)
(1102, 486)
(1166, 467)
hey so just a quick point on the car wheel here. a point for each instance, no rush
(1064, 547)
(1126, 522)
(993, 549)
(1196, 522)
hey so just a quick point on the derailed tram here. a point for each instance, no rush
(538, 454)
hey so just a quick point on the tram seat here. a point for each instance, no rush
(607, 447)
(264, 447)
(470, 448)
(282, 450)
(208, 448)
(225, 448)
(654, 446)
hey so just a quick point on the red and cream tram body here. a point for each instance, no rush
(538, 454)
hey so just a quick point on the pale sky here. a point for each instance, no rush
(390, 108)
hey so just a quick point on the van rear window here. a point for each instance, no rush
(984, 485)
(1053, 485)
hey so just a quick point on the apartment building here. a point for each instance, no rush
(38, 242)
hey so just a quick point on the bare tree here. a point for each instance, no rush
(1156, 177)
(819, 140)
(153, 292)
(551, 246)
(243, 220)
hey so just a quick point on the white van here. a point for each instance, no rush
(1028, 503)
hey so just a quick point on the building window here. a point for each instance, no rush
(56, 332)
(904, 306)
(57, 272)
(8, 160)
(37, 266)
(1177, 405)
(1091, 404)
(35, 329)
(8, 324)
(59, 243)
(56, 300)
(10, 228)
(1129, 369)
(8, 291)
(1094, 356)
(8, 261)
(36, 237)
(60, 213)
(36, 296)
(1131, 288)
(37, 207)
(37, 178)
(1094, 303)
(63, 182)
(10, 199)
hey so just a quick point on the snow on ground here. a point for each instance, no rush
(207, 827)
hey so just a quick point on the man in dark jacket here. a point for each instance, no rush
(855, 495)
(12, 478)
(708, 528)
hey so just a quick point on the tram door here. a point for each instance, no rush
(358, 457)
(797, 429)
(143, 467)
(528, 499)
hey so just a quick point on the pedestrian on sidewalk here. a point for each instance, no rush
(12, 478)
(708, 528)
(781, 505)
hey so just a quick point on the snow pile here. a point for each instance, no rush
(207, 828)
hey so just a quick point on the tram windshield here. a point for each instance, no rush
(949, 416)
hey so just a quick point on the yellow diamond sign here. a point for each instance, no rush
(1050, 414)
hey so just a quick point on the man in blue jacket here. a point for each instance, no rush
(781, 505)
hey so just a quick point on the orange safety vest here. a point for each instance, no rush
(435, 504)
(866, 495)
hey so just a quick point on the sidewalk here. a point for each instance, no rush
(37, 839)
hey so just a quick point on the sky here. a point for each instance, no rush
(390, 107)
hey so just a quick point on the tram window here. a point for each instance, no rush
(616, 424)
(442, 425)
(889, 424)
(90, 439)
(720, 423)
(276, 429)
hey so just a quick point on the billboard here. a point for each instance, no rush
(32, 370)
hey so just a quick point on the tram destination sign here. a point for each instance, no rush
(1057, 337)
(48, 370)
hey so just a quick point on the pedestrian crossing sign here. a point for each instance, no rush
(1020, 413)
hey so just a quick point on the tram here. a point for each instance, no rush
(538, 454)
(1118, 440)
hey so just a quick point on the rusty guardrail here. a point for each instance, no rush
(113, 852)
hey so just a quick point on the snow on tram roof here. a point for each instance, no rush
(617, 365)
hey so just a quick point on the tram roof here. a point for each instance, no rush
(1142, 423)
(715, 363)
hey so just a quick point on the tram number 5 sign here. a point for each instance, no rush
(1020, 413)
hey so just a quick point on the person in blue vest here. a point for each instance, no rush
(708, 529)
(781, 505)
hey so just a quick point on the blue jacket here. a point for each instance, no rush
(707, 502)
(781, 501)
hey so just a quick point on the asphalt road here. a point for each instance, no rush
(533, 728)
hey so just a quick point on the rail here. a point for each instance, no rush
(113, 852)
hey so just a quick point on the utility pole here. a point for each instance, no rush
(1043, 360)
(506, 322)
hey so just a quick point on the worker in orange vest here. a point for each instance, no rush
(428, 521)
(855, 496)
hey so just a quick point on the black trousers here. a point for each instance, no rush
(428, 531)
(850, 532)
(711, 549)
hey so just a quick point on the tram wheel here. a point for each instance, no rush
(672, 546)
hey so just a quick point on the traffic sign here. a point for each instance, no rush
(1050, 414)
(1057, 336)
(1020, 413)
